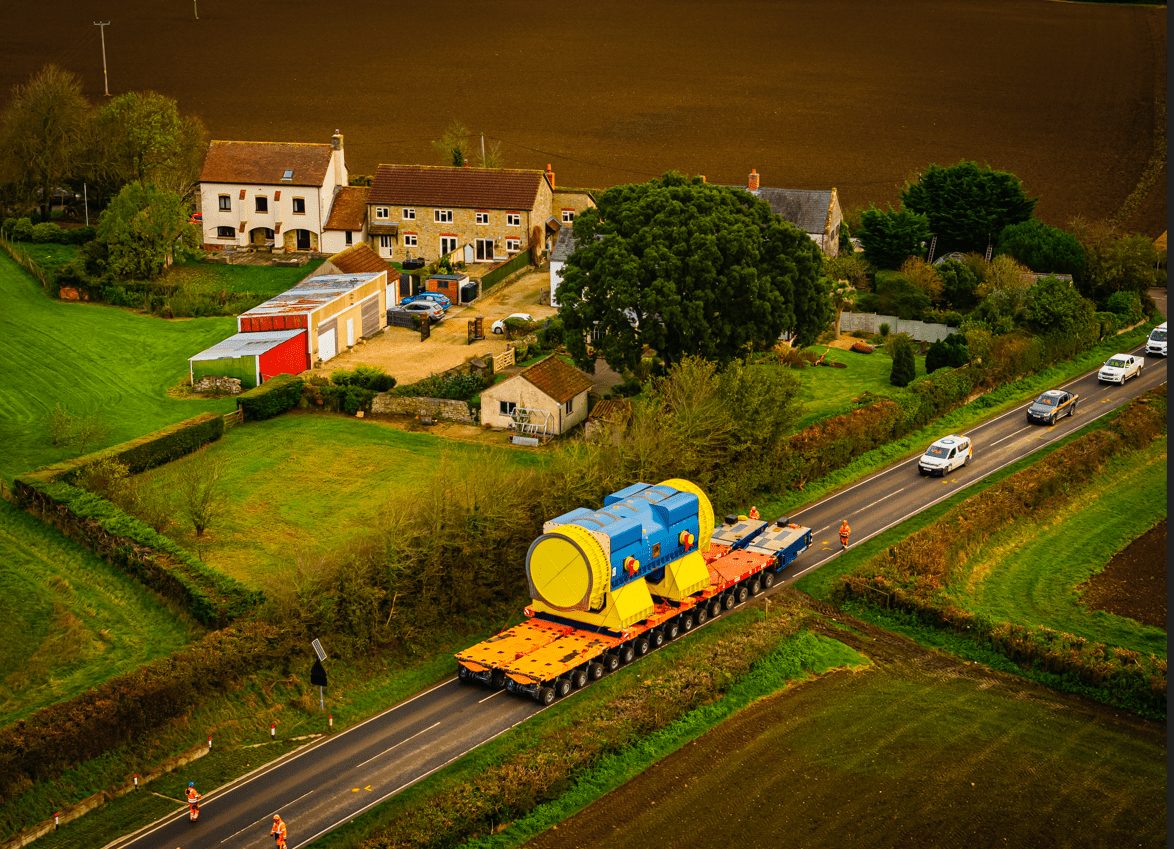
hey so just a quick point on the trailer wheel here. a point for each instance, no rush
(715, 607)
(756, 585)
(642, 646)
(611, 661)
(627, 653)
(741, 594)
(497, 679)
(595, 671)
(702, 614)
(579, 678)
(768, 579)
(687, 622)
(657, 637)
(545, 696)
(672, 630)
(562, 686)
(462, 673)
(728, 600)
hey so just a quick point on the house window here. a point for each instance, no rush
(482, 217)
(225, 203)
(287, 176)
(381, 213)
(448, 244)
(299, 206)
(350, 237)
(569, 407)
(568, 216)
(225, 233)
(513, 219)
(384, 241)
(409, 240)
(513, 245)
(442, 216)
(506, 408)
(409, 215)
(262, 203)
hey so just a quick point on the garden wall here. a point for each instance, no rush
(440, 409)
(870, 322)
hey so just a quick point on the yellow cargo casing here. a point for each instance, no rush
(623, 607)
(704, 510)
(682, 577)
(568, 570)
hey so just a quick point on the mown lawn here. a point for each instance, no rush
(49, 255)
(71, 620)
(829, 391)
(262, 281)
(1030, 573)
(304, 486)
(95, 361)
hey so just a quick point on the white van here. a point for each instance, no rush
(1156, 345)
(945, 455)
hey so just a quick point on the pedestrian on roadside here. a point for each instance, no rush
(845, 534)
(278, 831)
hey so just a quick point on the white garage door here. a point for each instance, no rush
(328, 344)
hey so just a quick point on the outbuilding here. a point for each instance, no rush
(547, 399)
(252, 358)
(335, 310)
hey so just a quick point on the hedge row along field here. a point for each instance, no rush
(914, 575)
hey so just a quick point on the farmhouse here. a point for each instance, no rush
(275, 195)
(335, 310)
(814, 211)
(546, 399)
(469, 214)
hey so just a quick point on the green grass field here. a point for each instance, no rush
(300, 487)
(829, 391)
(49, 255)
(262, 281)
(97, 361)
(1029, 573)
(71, 620)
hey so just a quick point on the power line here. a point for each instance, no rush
(102, 29)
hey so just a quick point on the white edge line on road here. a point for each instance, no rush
(492, 695)
(971, 432)
(878, 501)
(791, 577)
(406, 785)
(254, 823)
(397, 745)
(150, 828)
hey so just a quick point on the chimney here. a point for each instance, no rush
(338, 160)
(336, 140)
(550, 175)
(752, 183)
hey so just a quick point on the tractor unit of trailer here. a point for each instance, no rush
(609, 585)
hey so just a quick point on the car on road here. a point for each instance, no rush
(1119, 368)
(945, 455)
(434, 311)
(499, 325)
(1051, 406)
(1155, 346)
(436, 297)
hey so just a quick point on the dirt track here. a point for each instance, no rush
(857, 95)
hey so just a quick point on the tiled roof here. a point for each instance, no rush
(361, 258)
(247, 344)
(556, 379)
(311, 294)
(349, 209)
(611, 410)
(564, 245)
(265, 163)
(807, 209)
(465, 188)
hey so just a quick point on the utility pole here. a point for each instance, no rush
(196, 8)
(483, 150)
(102, 29)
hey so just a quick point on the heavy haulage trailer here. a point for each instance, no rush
(610, 585)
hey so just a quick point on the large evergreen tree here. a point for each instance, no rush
(684, 267)
(967, 205)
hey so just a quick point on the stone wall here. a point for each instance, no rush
(437, 409)
(870, 322)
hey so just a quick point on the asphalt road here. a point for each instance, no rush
(329, 782)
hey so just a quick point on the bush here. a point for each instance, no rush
(271, 398)
(550, 335)
(884, 328)
(366, 377)
(45, 232)
(904, 362)
(950, 352)
(22, 230)
(1126, 306)
(455, 386)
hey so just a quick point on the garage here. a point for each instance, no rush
(252, 358)
(328, 341)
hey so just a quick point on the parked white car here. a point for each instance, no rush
(1119, 368)
(945, 455)
(1155, 346)
(499, 325)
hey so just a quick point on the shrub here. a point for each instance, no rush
(884, 328)
(22, 230)
(45, 232)
(271, 398)
(366, 377)
(455, 386)
(1106, 324)
(1126, 306)
(550, 335)
(904, 363)
(950, 352)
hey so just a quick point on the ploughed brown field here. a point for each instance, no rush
(855, 94)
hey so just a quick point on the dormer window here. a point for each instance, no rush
(287, 176)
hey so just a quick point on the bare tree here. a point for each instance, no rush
(453, 146)
(200, 492)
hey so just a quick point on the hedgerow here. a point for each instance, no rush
(271, 398)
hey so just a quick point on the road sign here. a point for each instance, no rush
(318, 674)
(318, 650)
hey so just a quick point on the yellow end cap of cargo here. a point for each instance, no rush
(567, 569)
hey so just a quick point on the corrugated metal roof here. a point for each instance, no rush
(247, 344)
(466, 188)
(312, 294)
(265, 163)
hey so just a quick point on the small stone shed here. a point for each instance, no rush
(547, 399)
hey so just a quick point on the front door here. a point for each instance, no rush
(484, 250)
(448, 244)
(303, 240)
